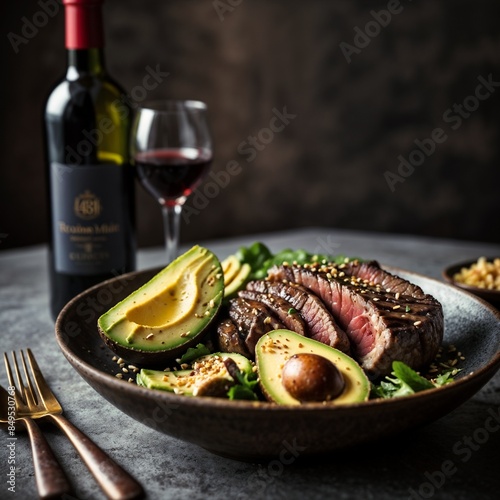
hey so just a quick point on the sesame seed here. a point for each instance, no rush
(396, 307)
(119, 375)
(397, 296)
(130, 380)
(149, 336)
(124, 370)
(114, 358)
(416, 323)
(119, 361)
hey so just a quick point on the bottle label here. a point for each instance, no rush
(88, 218)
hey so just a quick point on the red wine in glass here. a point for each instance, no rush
(173, 173)
(172, 150)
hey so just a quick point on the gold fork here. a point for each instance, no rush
(15, 405)
(116, 483)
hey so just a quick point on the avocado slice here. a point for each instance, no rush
(208, 376)
(230, 267)
(235, 274)
(169, 313)
(238, 281)
(275, 348)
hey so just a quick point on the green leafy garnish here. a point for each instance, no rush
(261, 259)
(292, 310)
(405, 381)
(246, 383)
(194, 353)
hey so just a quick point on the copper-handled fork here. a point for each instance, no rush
(116, 483)
(51, 481)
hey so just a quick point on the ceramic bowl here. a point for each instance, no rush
(258, 430)
(491, 296)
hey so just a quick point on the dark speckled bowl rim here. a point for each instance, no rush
(112, 382)
(491, 296)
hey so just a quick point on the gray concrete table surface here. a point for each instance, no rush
(408, 466)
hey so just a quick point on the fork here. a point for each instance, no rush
(116, 483)
(51, 480)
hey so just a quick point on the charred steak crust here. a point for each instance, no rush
(229, 338)
(372, 272)
(252, 319)
(383, 325)
(281, 309)
(321, 325)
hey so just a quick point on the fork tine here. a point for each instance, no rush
(18, 389)
(8, 370)
(43, 388)
(26, 396)
(30, 390)
(20, 384)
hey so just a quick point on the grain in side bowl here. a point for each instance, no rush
(481, 274)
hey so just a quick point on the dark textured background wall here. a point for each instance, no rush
(353, 119)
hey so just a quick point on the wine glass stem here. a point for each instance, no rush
(171, 221)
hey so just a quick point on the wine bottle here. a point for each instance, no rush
(90, 181)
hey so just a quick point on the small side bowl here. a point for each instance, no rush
(491, 296)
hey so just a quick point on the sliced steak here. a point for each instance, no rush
(375, 275)
(382, 326)
(320, 324)
(281, 308)
(229, 338)
(252, 319)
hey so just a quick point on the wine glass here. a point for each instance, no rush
(172, 152)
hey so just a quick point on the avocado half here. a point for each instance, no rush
(169, 313)
(275, 348)
(207, 376)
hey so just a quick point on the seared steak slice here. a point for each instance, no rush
(375, 275)
(320, 324)
(281, 309)
(382, 326)
(253, 319)
(229, 338)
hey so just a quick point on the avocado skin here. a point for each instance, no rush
(151, 359)
(157, 358)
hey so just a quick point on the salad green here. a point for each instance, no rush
(261, 259)
(404, 381)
